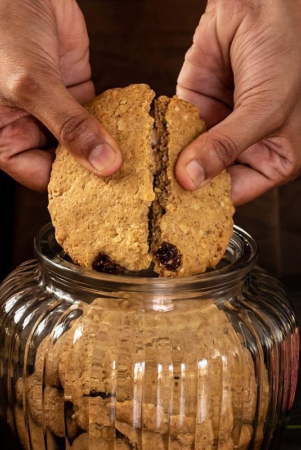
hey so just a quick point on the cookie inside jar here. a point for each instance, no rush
(124, 378)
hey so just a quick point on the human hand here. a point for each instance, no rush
(243, 71)
(45, 76)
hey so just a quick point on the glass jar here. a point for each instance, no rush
(92, 361)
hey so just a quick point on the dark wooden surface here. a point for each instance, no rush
(140, 41)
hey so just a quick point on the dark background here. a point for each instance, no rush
(144, 41)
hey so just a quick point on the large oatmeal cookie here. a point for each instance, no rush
(141, 215)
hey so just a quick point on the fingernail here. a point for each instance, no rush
(195, 172)
(102, 157)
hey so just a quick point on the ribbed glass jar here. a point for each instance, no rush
(91, 361)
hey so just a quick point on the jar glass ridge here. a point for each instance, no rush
(239, 260)
(96, 361)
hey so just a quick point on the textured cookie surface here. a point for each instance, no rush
(191, 230)
(96, 216)
(103, 223)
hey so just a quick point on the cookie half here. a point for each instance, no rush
(191, 230)
(102, 223)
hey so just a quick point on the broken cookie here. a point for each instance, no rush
(141, 216)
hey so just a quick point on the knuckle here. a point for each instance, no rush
(287, 167)
(23, 86)
(73, 128)
(5, 158)
(252, 7)
(225, 150)
(294, 172)
(3, 161)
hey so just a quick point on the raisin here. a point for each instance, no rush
(119, 435)
(68, 258)
(168, 256)
(103, 395)
(103, 263)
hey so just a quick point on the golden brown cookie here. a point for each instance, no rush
(53, 405)
(20, 391)
(103, 222)
(191, 230)
(34, 398)
(85, 442)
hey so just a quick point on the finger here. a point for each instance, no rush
(217, 149)
(9, 114)
(82, 93)
(20, 135)
(212, 111)
(19, 156)
(247, 184)
(206, 72)
(70, 123)
(31, 168)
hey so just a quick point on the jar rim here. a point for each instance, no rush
(239, 259)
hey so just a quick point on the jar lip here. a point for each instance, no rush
(240, 257)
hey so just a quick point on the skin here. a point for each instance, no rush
(45, 77)
(243, 71)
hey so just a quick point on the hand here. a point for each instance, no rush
(243, 71)
(45, 76)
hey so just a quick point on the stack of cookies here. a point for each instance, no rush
(113, 380)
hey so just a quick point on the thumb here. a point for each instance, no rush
(217, 149)
(72, 125)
